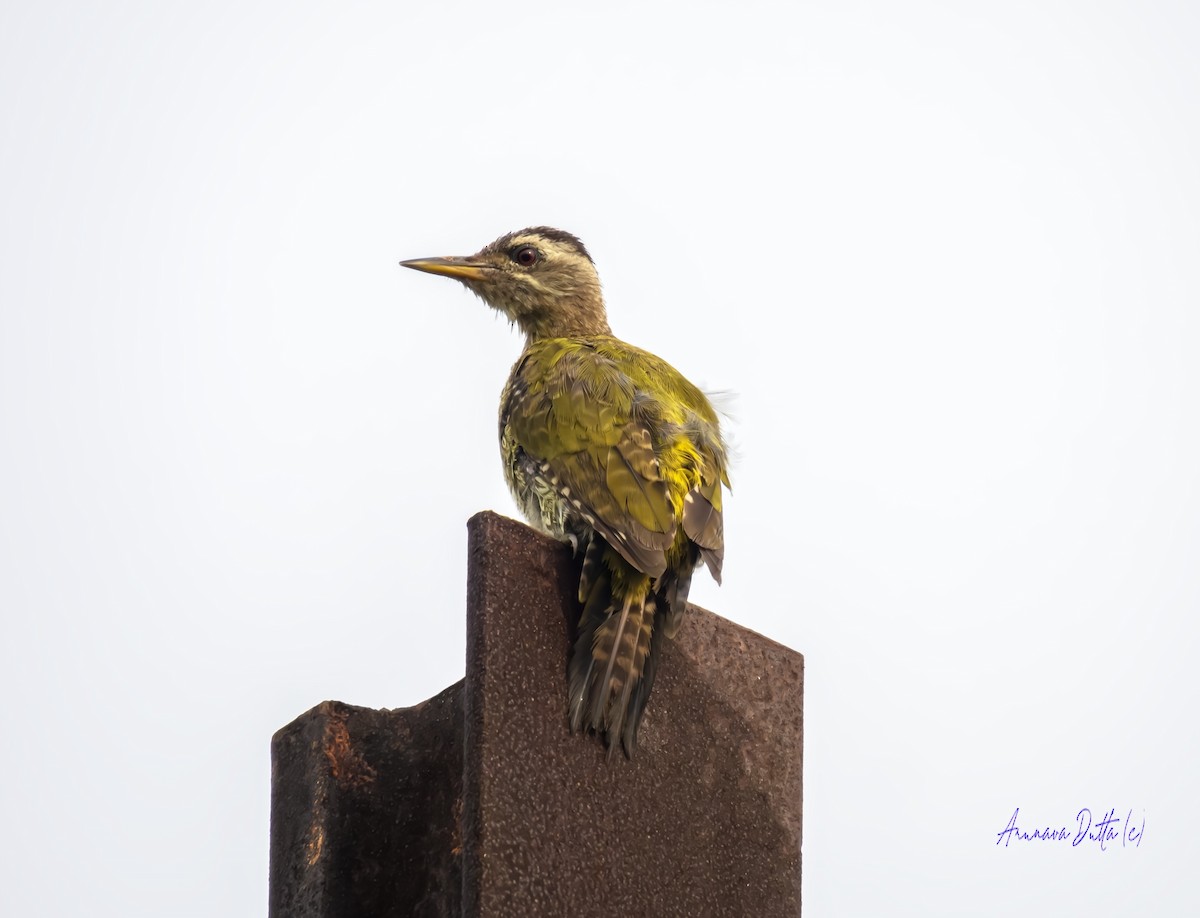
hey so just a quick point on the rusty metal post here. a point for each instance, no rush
(479, 802)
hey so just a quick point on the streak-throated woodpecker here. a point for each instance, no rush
(610, 448)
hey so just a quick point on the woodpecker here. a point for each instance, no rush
(609, 448)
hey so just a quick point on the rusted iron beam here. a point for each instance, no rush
(480, 802)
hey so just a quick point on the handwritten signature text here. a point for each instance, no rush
(1103, 831)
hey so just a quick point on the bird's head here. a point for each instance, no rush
(541, 278)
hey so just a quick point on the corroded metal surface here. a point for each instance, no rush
(480, 802)
(365, 812)
(705, 820)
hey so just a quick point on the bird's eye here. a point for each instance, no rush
(526, 256)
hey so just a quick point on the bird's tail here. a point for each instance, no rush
(612, 666)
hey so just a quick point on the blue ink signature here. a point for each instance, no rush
(1101, 832)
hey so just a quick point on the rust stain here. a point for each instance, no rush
(316, 844)
(346, 763)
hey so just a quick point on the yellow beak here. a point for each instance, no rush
(462, 268)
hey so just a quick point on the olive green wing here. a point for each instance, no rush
(577, 422)
(692, 450)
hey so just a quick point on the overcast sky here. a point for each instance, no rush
(944, 255)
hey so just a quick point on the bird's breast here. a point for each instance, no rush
(536, 495)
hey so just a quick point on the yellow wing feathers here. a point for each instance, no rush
(626, 440)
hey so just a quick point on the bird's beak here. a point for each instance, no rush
(462, 268)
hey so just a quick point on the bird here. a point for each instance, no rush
(606, 447)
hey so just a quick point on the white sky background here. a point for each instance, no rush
(944, 254)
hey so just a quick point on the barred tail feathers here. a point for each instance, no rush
(641, 692)
(592, 567)
(608, 690)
